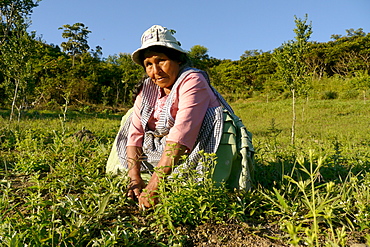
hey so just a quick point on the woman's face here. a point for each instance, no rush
(162, 70)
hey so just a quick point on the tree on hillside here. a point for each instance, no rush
(362, 82)
(16, 58)
(51, 66)
(229, 80)
(12, 12)
(77, 44)
(16, 50)
(350, 54)
(198, 55)
(248, 64)
(127, 73)
(81, 79)
(291, 66)
(256, 68)
(201, 60)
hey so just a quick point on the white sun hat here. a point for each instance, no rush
(156, 35)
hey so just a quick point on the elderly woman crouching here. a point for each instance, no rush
(176, 112)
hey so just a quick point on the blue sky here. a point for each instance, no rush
(227, 28)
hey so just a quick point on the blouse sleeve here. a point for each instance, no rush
(136, 132)
(194, 98)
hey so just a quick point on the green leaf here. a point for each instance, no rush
(281, 200)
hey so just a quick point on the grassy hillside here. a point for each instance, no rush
(54, 191)
(317, 120)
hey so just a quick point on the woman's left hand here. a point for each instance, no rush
(149, 195)
(148, 199)
(171, 155)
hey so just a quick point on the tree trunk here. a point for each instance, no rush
(364, 94)
(294, 117)
(125, 93)
(118, 91)
(66, 98)
(14, 99)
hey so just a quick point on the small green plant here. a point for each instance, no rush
(306, 204)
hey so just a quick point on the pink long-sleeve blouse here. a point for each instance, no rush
(194, 97)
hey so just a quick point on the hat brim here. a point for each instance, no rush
(135, 56)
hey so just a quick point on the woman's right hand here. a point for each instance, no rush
(136, 182)
(135, 187)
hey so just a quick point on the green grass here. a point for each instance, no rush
(319, 117)
(54, 190)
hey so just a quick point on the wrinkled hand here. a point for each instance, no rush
(135, 187)
(149, 196)
(148, 199)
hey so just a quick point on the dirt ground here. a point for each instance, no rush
(238, 235)
(233, 235)
(226, 235)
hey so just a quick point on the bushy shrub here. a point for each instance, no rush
(329, 95)
(7, 139)
(349, 94)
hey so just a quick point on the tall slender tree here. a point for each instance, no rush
(16, 47)
(291, 66)
(16, 58)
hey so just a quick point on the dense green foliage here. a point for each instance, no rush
(54, 190)
(36, 74)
